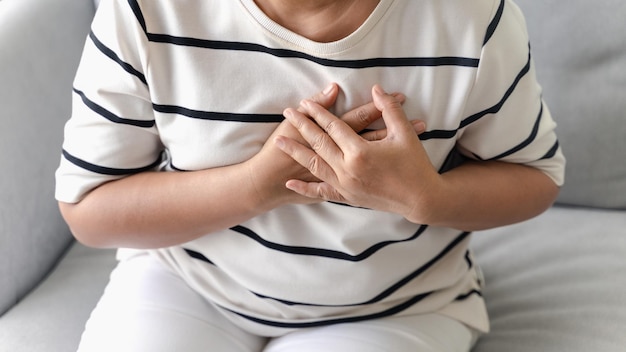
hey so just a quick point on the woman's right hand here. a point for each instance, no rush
(271, 168)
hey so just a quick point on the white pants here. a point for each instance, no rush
(146, 307)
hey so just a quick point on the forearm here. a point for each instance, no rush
(483, 195)
(160, 209)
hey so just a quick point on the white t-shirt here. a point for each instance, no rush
(189, 85)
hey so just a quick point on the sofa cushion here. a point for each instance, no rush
(556, 283)
(53, 316)
(35, 100)
(579, 48)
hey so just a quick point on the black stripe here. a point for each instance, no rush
(468, 295)
(392, 289)
(108, 170)
(494, 109)
(494, 23)
(137, 11)
(319, 252)
(113, 56)
(347, 205)
(198, 255)
(310, 324)
(438, 134)
(177, 168)
(551, 152)
(218, 116)
(285, 53)
(468, 260)
(448, 134)
(422, 269)
(111, 116)
(527, 141)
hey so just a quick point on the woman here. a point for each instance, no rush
(262, 222)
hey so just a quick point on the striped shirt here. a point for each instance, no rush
(190, 85)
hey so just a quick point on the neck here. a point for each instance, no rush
(319, 20)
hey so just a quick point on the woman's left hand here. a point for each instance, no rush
(390, 174)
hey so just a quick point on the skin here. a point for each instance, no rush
(158, 209)
(161, 209)
(319, 20)
(394, 174)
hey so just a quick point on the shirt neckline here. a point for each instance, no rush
(317, 48)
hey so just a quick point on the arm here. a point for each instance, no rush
(394, 174)
(159, 209)
(483, 195)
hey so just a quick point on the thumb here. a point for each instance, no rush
(391, 108)
(325, 98)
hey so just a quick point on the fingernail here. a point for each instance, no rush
(378, 90)
(328, 89)
(399, 97)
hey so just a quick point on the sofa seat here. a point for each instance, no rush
(556, 282)
(52, 316)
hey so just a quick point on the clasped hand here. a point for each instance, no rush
(392, 173)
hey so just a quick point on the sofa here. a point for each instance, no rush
(553, 283)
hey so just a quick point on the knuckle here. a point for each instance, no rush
(363, 115)
(329, 193)
(318, 142)
(315, 114)
(323, 193)
(394, 104)
(331, 127)
(299, 124)
(358, 164)
(314, 164)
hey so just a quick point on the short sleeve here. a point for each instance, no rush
(112, 131)
(506, 118)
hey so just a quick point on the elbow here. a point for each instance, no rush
(77, 221)
(541, 196)
(549, 193)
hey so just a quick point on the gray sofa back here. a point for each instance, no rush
(581, 63)
(35, 97)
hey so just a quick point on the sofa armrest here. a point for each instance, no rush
(41, 42)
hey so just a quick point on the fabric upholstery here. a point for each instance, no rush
(35, 93)
(556, 283)
(52, 317)
(580, 51)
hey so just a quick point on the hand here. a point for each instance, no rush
(392, 173)
(270, 169)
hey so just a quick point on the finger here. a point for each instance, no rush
(363, 116)
(306, 157)
(326, 97)
(319, 140)
(316, 190)
(393, 114)
(339, 132)
(418, 126)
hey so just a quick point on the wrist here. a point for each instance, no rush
(267, 192)
(431, 204)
